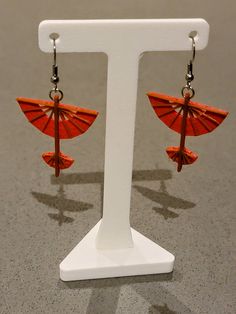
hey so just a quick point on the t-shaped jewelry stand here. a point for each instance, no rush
(112, 248)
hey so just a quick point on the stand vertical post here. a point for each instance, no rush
(112, 248)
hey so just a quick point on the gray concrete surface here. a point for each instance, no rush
(191, 214)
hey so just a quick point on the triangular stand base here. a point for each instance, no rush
(85, 261)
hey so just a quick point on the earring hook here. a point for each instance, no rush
(193, 49)
(55, 78)
(54, 52)
(189, 77)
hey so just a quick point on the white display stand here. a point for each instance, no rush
(112, 248)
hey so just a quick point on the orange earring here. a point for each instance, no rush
(58, 120)
(185, 117)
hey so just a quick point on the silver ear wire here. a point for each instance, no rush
(55, 78)
(193, 49)
(189, 77)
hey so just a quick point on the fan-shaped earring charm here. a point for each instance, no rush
(185, 117)
(58, 120)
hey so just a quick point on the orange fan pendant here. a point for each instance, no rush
(187, 118)
(57, 120)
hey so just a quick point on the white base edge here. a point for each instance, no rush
(85, 261)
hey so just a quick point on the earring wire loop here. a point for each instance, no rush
(55, 78)
(189, 76)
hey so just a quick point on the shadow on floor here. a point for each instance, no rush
(106, 293)
(163, 198)
(119, 281)
(160, 309)
(98, 177)
(62, 204)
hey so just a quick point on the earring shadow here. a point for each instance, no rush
(106, 293)
(161, 197)
(160, 309)
(62, 204)
(165, 200)
(98, 177)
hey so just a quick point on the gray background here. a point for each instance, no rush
(191, 214)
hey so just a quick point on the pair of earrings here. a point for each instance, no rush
(58, 120)
(63, 121)
(185, 117)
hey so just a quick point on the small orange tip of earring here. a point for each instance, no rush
(64, 160)
(182, 157)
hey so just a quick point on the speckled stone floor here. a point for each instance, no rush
(191, 214)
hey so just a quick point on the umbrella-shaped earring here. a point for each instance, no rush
(185, 117)
(58, 120)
